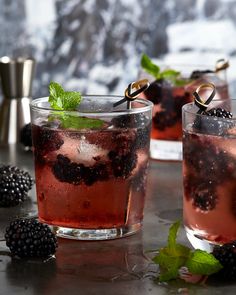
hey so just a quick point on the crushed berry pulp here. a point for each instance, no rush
(91, 179)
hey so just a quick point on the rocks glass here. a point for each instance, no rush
(209, 174)
(168, 99)
(91, 180)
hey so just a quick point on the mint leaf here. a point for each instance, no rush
(63, 100)
(173, 234)
(181, 82)
(172, 272)
(172, 257)
(70, 100)
(168, 74)
(55, 90)
(169, 264)
(203, 263)
(150, 67)
(76, 122)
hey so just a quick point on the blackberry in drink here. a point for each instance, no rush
(169, 91)
(209, 174)
(91, 171)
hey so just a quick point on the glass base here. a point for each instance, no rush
(95, 234)
(199, 242)
(166, 150)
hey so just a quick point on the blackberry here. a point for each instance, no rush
(210, 124)
(26, 136)
(95, 173)
(174, 104)
(142, 135)
(204, 164)
(154, 91)
(122, 165)
(45, 140)
(219, 112)
(125, 142)
(204, 198)
(172, 110)
(29, 238)
(226, 254)
(14, 185)
(70, 172)
(67, 171)
(130, 121)
(198, 74)
(164, 119)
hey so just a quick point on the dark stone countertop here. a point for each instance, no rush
(121, 266)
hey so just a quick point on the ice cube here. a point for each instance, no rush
(79, 150)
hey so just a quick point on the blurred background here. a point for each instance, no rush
(94, 46)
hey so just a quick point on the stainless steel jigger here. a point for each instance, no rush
(16, 79)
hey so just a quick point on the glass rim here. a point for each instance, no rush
(147, 107)
(172, 65)
(186, 110)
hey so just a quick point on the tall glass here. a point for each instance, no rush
(91, 182)
(168, 99)
(209, 176)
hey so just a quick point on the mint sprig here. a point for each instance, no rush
(168, 74)
(174, 256)
(61, 100)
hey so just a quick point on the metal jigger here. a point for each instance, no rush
(16, 79)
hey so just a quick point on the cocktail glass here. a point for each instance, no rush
(168, 99)
(209, 176)
(91, 181)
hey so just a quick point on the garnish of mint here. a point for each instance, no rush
(61, 100)
(168, 74)
(174, 256)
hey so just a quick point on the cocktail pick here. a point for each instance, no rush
(132, 92)
(221, 64)
(199, 102)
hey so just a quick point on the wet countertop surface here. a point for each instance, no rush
(121, 266)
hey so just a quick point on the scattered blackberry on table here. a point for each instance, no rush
(226, 254)
(26, 136)
(14, 185)
(29, 238)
